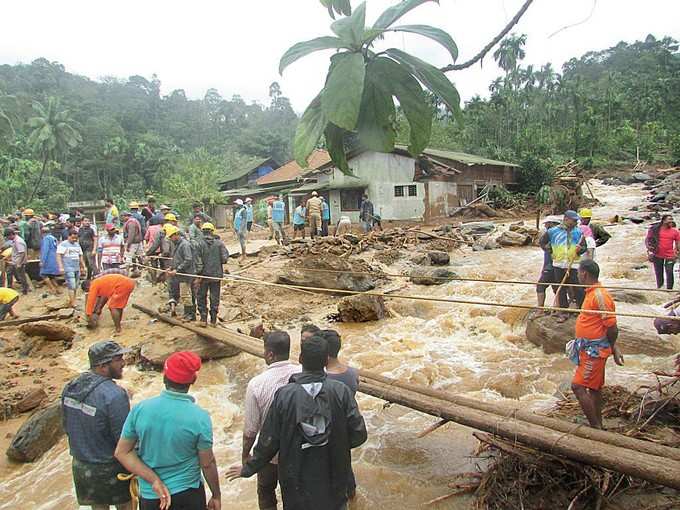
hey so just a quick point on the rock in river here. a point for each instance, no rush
(49, 330)
(431, 275)
(157, 351)
(328, 272)
(37, 435)
(439, 258)
(361, 308)
(510, 238)
(552, 336)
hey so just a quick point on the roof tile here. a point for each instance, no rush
(291, 170)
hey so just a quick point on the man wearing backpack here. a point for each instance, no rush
(31, 231)
(313, 423)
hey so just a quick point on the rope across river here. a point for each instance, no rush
(466, 279)
(253, 281)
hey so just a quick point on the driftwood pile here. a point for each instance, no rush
(517, 476)
(396, 238)
(568, 183)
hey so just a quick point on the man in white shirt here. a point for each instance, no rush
(259, 396)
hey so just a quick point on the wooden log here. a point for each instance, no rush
(657, 470)
(487, 416)
(26, 320)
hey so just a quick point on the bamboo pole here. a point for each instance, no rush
(501, 411)
(27, 320)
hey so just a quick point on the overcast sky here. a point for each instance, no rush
(234, 45)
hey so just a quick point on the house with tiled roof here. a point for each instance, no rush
(292, 172)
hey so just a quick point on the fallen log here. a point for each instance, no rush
(27, 320)
(631, 456)
(657, 470)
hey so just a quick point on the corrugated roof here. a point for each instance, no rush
(245, 192)
(243, 170)
(461, 157)
(315, 186)
(291, 170)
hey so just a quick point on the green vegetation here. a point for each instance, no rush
(361, 85)
(66, 137)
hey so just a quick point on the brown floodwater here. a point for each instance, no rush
(467, 349)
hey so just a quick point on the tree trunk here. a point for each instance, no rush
(488, 415)
(42, 174)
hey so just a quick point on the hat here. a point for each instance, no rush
(109, 227)
(163, 206)
(249, 199)
(208, 226)
(314, 194)
(104, 351)
(572, 215)
(238, 201)
(126, 213)
(151, 198)
(181, 367)
(28, 212)
(552, 219)
(170, 230)
(49, 223)
(133, 205)
(585, 213)
(170, 217)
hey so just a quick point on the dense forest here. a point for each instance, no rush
(66, 137)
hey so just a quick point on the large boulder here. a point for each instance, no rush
(361, 308)
(328, 272)
(55, 331)
(641, 177)
(521, 228)
(478, 228)
(439, 258)
(37, 435)
(510, 238)
(545, 332)
(155, 352)
(431, 275)
(30, 400)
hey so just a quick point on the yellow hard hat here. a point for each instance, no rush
(170, 217)
(170, 230)
(28, 212)
(133, 205)
(7, 253)
(208, 226)
(585, 213)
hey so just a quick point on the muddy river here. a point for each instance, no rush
(473, 350)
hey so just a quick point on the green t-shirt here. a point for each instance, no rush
(170, 430)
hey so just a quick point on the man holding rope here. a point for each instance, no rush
(596, 335)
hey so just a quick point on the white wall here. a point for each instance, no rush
(381, 173)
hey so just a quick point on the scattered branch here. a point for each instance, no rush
(494, 41)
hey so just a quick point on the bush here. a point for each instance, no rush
(533, 173)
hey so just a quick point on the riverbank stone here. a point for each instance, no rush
(157, 351)
(37, 435)
(361, 308)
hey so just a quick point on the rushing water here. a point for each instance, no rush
(468, 349)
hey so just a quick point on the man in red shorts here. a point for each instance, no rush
(114, 289)
(596, 335)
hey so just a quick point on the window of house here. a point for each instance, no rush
(412, 190)
(350, 199)
(399, 191)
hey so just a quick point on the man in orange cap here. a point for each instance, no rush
(174, 442)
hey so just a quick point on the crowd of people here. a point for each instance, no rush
(301, 423)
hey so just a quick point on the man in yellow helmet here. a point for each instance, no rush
(182, 271)
(600, 235)
(211, 255)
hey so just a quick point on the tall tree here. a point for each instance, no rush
(53, 134)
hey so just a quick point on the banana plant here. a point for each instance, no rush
(362, 84)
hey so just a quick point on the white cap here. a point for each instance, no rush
(238, 201)
(552, 219)
(314, 193)
(249, 199)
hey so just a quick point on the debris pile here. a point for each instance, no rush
(517, 476)
(665, 192)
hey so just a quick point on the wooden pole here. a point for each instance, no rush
(26, 320)
(500, 411)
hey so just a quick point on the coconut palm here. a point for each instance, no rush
(53, 134)
(510, 52)
(7, 116)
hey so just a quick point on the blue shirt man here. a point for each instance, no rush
(278, 211)
(325, 210)
(173, 438)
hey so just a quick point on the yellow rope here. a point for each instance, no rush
(134, 487)
(302, 288)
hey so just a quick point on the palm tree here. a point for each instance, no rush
(7, 105)
(510, 52)
(53, 134)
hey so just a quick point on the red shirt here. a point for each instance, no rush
(669, 239)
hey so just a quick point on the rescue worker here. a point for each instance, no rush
(107, 289)
(600, 235)
(314, 206)
(278, 220)
(181, 285)
(211, 255)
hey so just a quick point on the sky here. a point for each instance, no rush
(235, 45)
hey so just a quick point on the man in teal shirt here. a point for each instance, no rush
(174, 441)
